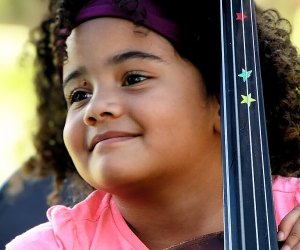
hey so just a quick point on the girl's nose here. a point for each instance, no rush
(102, 107)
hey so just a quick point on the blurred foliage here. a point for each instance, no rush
(25, 12)
(17, 99)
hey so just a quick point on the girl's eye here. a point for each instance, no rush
(78, 96)
(134, 78)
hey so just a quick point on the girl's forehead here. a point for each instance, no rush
(115, 34)
(99, 25)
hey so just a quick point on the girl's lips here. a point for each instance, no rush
(110, 137)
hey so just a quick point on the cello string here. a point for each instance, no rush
(256, 66)
(227, 240)
(236, 107)
(249, 127)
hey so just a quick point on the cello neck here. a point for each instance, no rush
(248, 204)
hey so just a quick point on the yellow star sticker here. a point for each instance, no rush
(247, 99)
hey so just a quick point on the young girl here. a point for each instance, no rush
(143, 124)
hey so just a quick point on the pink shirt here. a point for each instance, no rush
(286, 195)
(96, 223)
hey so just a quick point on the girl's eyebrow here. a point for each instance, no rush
(119, 58)
(73, 75)
(116, 59)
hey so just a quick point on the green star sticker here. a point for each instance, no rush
(247, 99)
(245, 74)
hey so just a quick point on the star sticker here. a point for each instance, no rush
(241, 16)
(247, 99)
(245, 74)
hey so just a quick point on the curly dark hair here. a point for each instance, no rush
(280, 66)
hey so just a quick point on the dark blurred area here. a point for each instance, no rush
(24, 208)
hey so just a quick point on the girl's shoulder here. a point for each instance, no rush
(39, 237)
(61, 229)
(286, 195)
(286, 184)
(95, 223)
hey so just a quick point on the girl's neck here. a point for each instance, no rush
(176, 213)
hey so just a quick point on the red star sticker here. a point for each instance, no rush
(241, 16)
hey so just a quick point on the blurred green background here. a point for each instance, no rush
(17, 100)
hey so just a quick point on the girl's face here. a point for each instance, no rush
(138, 113)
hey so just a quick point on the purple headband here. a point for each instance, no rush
(153, 18)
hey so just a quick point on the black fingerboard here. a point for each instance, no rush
(248, 203)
